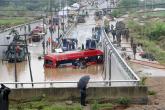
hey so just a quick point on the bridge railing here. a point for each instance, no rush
(48, 84)
(110, 50)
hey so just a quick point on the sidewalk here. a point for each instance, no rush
(129, 52)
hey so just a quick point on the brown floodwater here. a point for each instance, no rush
(39, 73)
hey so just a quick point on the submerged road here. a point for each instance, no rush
(82, 31)
(40, 73)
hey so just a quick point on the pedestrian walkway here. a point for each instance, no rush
(126, 51)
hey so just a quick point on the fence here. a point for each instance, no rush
(113, 59)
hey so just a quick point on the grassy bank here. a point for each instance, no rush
(149, 14)
(13, 21)
(150, 34)
(44, 103)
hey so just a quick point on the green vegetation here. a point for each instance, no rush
(123, 101)
(150, 34)
(123, 7)
(143, 81)
(155, 14)
(43, 105)
(13, 21)
(151, 93)
(97, 106)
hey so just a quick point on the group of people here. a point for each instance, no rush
(96, 33)
(118, 33)
(25, 27)
(124, 33)
(52, 28)
(69, 44)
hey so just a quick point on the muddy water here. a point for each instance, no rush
(71, 74)
(39, 73)
(46, 74)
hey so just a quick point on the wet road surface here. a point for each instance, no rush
(40, 73)
(82, 31)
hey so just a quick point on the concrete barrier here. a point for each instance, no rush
(137, 94)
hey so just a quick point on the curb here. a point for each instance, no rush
(150, 64)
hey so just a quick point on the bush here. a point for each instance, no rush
(151, 93)
(95, 106)
(123, 101)
(143, 81)
(151, 35)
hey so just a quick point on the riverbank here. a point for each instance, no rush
(149, 32)
(13, 21)
(156, 95)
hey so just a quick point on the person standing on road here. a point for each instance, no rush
(131, 40)
(25, 28)
(43, 45)
(112, 26)
(134, 50)
(118, 36)
(83, 96)
(114, 34)
(29, 27)
(47, 43)
(127, 34)
(82, 47)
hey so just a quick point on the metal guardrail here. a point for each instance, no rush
(51, 83)
(130, 72)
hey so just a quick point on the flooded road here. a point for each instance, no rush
(4, 35)
(39, 73)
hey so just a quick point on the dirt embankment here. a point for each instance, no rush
(157, 100)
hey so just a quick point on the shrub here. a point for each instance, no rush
(151, 93)
(123, 101)
(143, 81)
(95, 106)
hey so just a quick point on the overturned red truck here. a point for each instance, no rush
(90, 56)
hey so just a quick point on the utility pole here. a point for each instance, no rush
(51, 14)
(67, 13)
(63, 17)
(43, 34)
(31, 76)
(15, 64)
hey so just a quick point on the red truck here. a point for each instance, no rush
(89, 56)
